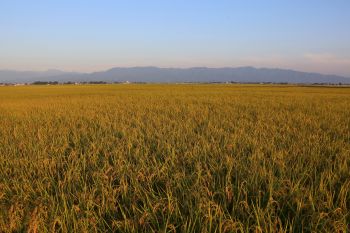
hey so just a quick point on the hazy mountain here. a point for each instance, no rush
(11, 76)
(196, 74)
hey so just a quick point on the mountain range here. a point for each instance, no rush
(173, 75)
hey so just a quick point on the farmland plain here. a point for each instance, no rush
(174, 158)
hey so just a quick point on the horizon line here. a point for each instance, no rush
(173, 67)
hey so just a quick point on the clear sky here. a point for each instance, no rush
(91, 35)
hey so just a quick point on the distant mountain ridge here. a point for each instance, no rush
(173, 75)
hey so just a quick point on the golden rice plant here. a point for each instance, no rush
(174, 158)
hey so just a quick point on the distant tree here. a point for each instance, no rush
(45, 83)
(97, 82)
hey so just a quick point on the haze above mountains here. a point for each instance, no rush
(173, 75)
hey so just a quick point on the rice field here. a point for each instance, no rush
(174, 158)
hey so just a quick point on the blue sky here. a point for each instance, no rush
(312, 35)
